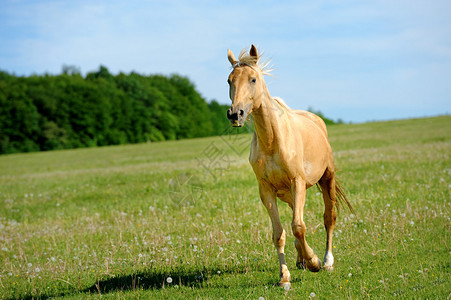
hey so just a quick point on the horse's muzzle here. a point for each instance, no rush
(237, 117)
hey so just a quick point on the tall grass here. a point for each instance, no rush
(183, 220)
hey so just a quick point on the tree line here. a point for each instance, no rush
(47, 112)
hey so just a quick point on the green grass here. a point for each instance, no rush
(119, 221)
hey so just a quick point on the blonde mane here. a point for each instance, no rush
(246, 59)
(281, 102)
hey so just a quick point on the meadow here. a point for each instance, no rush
(183, 219)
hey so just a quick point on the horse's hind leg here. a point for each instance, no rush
(327, 184)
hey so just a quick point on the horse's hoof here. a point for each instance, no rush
(285, 285)
(328, 268)
(314, 266)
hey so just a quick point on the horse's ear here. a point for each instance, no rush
(231, 57)
(253, 52)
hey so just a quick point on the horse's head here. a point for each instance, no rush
(245, 86)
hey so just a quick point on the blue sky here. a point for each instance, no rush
(354, 60)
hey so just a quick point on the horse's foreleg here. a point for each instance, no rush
(268, 197)
(298, 190)
(300, 262)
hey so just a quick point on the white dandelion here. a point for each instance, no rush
(169, 280)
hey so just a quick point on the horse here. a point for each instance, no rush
(290, 152)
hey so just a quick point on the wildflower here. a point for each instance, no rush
(350, 274)
(37, 270)
(140, 255)
(261, 298)
(29, 265)
(312, 295)
(412, 223)
(287, 287)
(5, 249)
(169, 280)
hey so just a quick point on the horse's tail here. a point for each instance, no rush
(341, 197)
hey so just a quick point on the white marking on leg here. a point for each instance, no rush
(328, 259)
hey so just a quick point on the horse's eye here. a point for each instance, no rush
(253, 80)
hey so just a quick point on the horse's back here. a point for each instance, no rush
(312, 117)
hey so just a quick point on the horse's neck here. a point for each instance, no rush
(267, 124)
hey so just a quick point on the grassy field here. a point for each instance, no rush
(183, 220)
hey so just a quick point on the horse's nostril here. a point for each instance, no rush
(241, 112)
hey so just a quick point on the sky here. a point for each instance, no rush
(352, 60)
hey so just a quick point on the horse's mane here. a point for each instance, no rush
(281, 102)
(246, 59)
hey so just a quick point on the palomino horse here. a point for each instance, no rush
(290, 152)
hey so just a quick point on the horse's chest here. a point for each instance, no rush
(271, 169)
